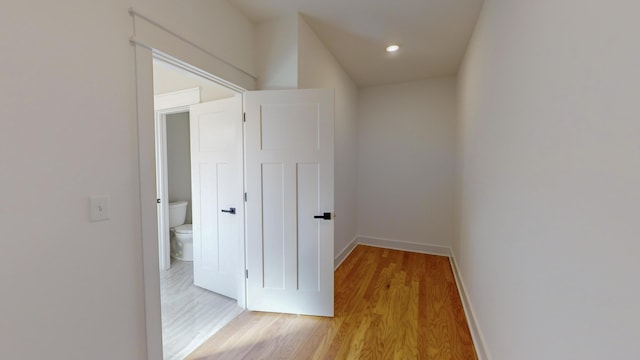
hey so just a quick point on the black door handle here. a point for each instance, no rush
(231, 211)
(325, 216)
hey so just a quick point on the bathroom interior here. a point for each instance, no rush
(190, 314)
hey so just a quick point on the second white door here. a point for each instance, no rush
(217, 194)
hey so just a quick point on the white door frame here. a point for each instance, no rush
(167, 104)
(151, 38)
(148, 201)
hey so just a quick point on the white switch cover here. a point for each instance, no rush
(99, 208)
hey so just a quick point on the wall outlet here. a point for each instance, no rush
(99, 208)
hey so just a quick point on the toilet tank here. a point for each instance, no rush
(177, 213)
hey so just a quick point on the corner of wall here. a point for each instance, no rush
(318, 68)
(344, 253)
(404, 245)
(476, 334)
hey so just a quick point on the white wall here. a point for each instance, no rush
(179, 159)
(277, 53)
(550, 133)
(167, 78)
(212, 24)
(317, 68)
(72, 289)
(406, 155)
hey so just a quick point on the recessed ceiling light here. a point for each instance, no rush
(393, 48)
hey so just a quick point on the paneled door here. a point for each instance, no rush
(289, 185)
(217, 194)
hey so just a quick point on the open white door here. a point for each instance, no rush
(289, 182)
(217, 194)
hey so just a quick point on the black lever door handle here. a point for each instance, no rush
(231, 211)
(325, 216)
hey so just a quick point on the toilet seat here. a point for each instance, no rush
(184, 229)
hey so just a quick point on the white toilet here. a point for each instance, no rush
(181, 233)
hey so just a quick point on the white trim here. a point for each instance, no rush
(174, 99)
(478, 340)
(162, 191)
(166, 104)
(159, 55)
(404, 245)
(135, 13)
(179, 104)
(148, 215)
(339, 259)
(150, 34)
(144, 56)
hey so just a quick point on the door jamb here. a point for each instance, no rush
(162, 182)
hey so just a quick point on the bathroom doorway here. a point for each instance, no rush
(191, 311)
(290, 113)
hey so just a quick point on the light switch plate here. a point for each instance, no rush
(99, 208)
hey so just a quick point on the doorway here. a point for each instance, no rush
(289, 121)
(192, 308)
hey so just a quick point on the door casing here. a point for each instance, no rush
(167, 104)
(144, 56)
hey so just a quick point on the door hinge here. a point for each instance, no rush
(246, 273)
(244, 117)
(158, 201)
(245, 197)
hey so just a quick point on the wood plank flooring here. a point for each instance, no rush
(389, 304)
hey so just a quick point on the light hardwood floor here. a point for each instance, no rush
(389, 304)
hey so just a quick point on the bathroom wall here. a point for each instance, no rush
(179, 159)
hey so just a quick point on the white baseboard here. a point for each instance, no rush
(476, 334)
(337, 261)
(404, 245)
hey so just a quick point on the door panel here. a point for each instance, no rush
(273, 237)
(216, 176)
(289, 180)
(298, 119)
(308, 227)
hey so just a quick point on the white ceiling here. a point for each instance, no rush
(433, 34)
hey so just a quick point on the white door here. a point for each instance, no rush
(289, 182)
(217, 194)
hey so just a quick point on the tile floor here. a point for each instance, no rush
(190, 315)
